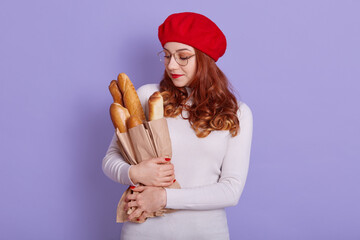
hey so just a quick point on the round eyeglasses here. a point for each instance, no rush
(181, 58)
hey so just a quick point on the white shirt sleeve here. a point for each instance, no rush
(114, 166)
(227, 191)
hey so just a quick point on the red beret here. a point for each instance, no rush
(195, 30)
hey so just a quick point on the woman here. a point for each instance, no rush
(211, 135)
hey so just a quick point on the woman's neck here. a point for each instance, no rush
(188, 89)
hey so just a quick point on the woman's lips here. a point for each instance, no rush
(175, 75)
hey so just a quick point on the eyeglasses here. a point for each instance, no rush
(181, 58)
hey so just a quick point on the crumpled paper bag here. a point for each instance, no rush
(145, 141)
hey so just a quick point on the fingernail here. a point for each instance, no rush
(167, 159)
(137, 219)
(174, 180)
(132, 187)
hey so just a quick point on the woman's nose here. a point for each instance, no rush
(172, 63)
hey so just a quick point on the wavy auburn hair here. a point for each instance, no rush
(214, 105)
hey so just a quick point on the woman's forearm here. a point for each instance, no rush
(153, 172)
(114, 166)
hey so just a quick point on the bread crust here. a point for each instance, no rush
(130, 98)
(156, 106)
(119, 116)
(133, 121)
(115, 92)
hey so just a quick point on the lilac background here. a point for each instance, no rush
(295, 63)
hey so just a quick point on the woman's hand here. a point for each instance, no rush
(154, 172)
(148, 200)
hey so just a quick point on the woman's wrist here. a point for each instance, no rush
(164, 198)
(133, 174)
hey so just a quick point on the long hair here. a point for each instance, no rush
(214, 106)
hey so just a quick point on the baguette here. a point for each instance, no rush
(115, 92)
(130, 98)
(156, 106)
(133, 122)
(119, 116)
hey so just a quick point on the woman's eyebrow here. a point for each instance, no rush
(182, 49)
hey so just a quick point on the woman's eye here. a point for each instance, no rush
(184, 58)
(166, 56)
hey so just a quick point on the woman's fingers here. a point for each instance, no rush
(166, 167)
(138, 189)
(168, 173)
(161, 160)
(143, 216)
(169, 179)
(135, 214)
(130, 197)
(167, 184)
(132, 204)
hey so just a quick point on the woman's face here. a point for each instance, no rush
(181, 76)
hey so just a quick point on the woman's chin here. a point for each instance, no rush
(178, 84)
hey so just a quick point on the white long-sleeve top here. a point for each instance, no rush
(211, 171)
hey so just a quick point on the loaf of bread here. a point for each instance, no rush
(133, 121)
(119, 116)
(130, 98)
(115, 92)
(156, 106)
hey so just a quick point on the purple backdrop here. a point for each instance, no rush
(295, 63)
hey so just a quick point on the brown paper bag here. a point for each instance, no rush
(143, 142)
